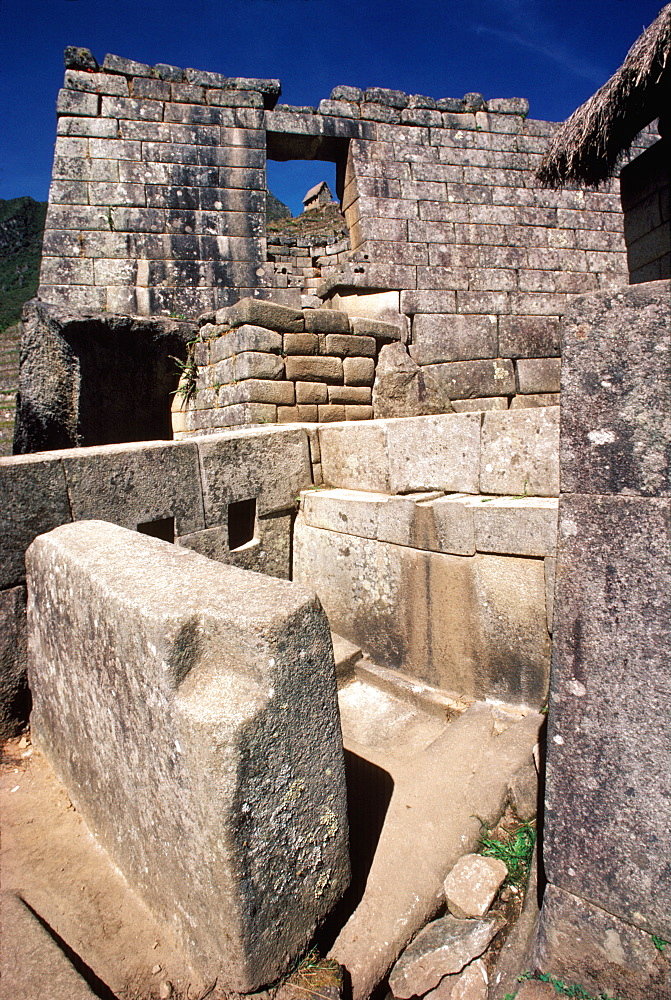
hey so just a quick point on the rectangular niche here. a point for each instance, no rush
(241, 523)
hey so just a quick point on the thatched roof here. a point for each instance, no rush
(587, 146)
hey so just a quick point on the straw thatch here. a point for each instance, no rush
(587, 146)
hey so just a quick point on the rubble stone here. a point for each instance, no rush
(442, 948)
(472, 884)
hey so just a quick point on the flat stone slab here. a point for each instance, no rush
(442, 948)
(452, 774)
(182, 701)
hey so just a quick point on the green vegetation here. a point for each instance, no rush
(560, 988)
(21, 228)
(659, 943)
(515, 852)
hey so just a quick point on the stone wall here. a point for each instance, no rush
(434, 550)
(158, 200)
(231, 498)
(157, 203)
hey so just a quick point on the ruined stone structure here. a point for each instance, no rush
(157, 207)
(455, 545)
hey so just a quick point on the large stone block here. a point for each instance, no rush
(525, 526)
(616, 394)
(520, 452)
(190, 709)
(439, 338)
(404, 389)
(14, 696)
(606, 835)
(438, 452)
(474, 626)
(269, 465)
(33, 499)
(258, 312)
(354, 456)
(130, 484)
(583, 945)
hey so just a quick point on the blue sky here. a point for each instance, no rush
(556, 53)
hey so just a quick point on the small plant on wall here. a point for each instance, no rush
(188, 377)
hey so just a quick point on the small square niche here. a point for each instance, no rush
(241, 523)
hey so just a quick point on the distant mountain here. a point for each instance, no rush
(21, 228)
(276, 209)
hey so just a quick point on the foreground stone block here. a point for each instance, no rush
(520, 452)
(584, 945)
(610, 692)
(190, 709)
(616, 401)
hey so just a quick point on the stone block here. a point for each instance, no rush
(605, 835)
(520, 452)
(487, 403)
(259, 312)
(128, 67)
(585, 946)
(358, 411)
(359, 371)
(454, 524)
(254, 364)
(301, 368)
(472, 884)
(268, 464)
(439, 338)
(14, 696)
(130, 484)
(538, 375)
(350, 394)
(351, 512)
(260, 390)
(183, 701)
(529, 336)
(366, 327)
(534, 400)
(326, 321)
(438, 452)
(442, 948)
(331, 413)
(474, 626)
(245, 338)
(616, 404)
(301, 343)
(403, 389)
(33, 499)
(524, 526)
(354, 457)
(311, 393)
(75, 102)
(346, 345)
(474, 379)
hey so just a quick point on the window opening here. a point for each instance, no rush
(241, 523)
